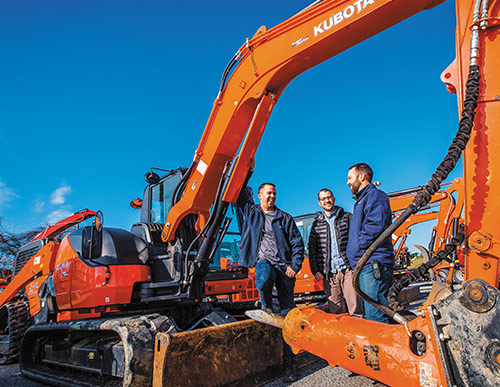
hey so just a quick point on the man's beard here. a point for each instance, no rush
(355, 187)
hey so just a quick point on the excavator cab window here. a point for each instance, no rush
(158, 199)
(91, 242)
(304, 224)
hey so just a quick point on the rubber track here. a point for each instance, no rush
(61, 375)
(18, 322)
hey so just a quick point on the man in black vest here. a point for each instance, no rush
(327, 256)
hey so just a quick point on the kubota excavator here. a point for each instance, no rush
(100, 272)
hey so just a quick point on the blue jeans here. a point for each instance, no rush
(268, 275)
(376, 289)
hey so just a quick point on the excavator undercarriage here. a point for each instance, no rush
(134, 351)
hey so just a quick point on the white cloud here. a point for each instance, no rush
(57, 215)
(58, 196)
(39, 206)
(6, 194)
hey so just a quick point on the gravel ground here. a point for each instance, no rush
(316, 374)
(321, 374)
(10, 376)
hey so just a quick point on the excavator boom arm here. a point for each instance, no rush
(266, 65)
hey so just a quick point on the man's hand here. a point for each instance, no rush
(289, 272)
(318, 276)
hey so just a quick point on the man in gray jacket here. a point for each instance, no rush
(327, 256)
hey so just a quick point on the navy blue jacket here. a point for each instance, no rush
(288, 239)
(371, 216)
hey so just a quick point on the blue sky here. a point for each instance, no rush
(94, 93)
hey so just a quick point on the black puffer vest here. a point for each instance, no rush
(319, 240)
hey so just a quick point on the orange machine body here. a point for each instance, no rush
(42, 263)
(376, 350)
(39, 266)
(83, 291)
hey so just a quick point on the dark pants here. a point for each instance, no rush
(266, 277)
(376, 289)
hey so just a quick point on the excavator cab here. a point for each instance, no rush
(157, 197)
(168, 261)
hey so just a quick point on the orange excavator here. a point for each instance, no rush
(26, 295)
(124, 323)
(446, 207)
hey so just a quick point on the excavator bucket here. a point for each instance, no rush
(243, 353)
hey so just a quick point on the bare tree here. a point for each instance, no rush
(11, 242)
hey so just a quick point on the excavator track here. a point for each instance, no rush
(15, 319)
(104, 352)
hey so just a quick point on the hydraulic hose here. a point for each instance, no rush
(210, 230)
(420, 271)
(179, 188)
(208, 224)
(424, 195)
(227, 70)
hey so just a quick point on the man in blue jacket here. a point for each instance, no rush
(371, 216)
(270, 242)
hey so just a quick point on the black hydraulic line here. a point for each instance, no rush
(179, 188)
(433, 240)
(204, 230)
(217, 216)
(227, 70)
(221, 235)
(209, 231)
(403, 192)
(414, 274)
(455, 226)
(425, 194)
(204, 252)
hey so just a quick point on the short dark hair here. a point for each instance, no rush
(325, 190)
(363, 168)
(264, 184)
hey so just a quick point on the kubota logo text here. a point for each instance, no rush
(348, 11)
